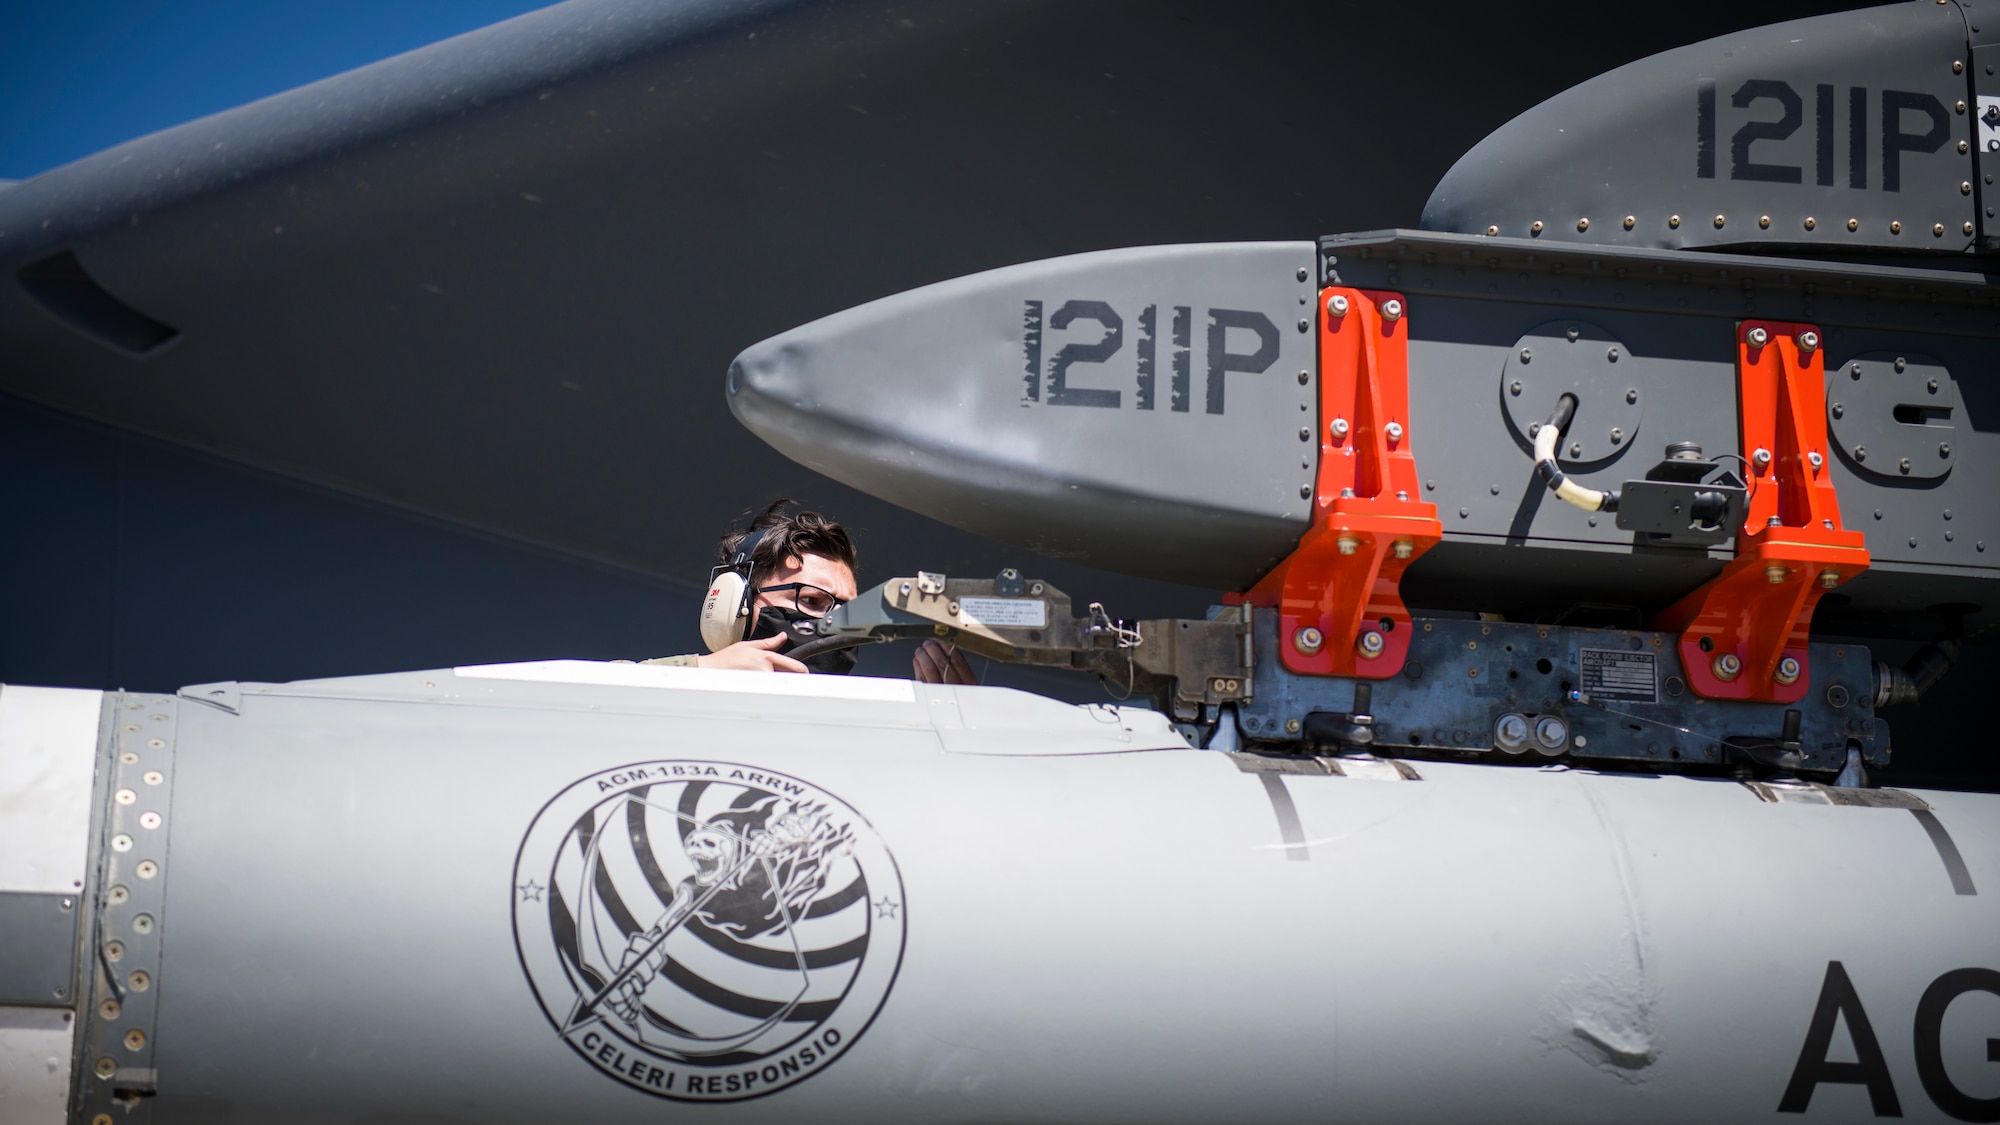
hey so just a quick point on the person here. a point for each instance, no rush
(803, 565)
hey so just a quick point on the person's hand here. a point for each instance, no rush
(939, 663)
(753, 656)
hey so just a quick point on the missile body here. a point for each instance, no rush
(578, 891)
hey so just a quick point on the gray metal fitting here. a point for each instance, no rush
(1394, 430)
(1759, 337)
(1371, 644)
(1761, 457)
(1551, 734)
(1727, 667)
(1808, 341)
(1788, 671)
(1392, 309)
(1815, 460)
(1338, 427)
(1308, 641)
(1510, 733)
(1403, 548)
(1336, 305)
(1828, 579)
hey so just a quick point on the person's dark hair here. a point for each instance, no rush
(786, 535)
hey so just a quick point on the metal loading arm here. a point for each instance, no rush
(1340, 609)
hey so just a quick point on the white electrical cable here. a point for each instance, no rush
(1589, 499)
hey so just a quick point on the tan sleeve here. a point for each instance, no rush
(690, 660)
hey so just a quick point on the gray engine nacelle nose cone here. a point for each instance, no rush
(1149, 411)
(1841, 133)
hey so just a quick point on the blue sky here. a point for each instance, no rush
(78, 76)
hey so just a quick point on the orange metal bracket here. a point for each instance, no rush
(1339, 609)
(1743, 635)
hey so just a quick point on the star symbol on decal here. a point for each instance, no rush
(531, 891)
(885, 908)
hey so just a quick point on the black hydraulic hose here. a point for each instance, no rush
(820, 645)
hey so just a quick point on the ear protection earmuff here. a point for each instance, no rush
(727, 605)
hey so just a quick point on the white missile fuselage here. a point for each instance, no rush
(876, 900)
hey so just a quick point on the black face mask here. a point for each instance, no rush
(800, 628)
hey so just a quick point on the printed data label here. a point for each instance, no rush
(1004, 613)
(1611, 673)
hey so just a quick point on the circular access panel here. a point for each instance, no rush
(1578, 358)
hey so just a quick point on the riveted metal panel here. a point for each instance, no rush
(1510, 547)
(119, 1072)
(1836, 133)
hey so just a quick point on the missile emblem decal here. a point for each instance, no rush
(706, 931)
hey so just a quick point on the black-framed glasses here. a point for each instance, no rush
(806, 598)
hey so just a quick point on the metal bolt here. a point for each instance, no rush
(1828, 579)
(1305, 434)
(1811, 222)
(1839, 410)
(1775, 574)
(1861, 453)
(1718, 222)
(1758, 337)
(1576, 449)
(1631, 221)
(1394, 430)
(1338, 427)
(1932, 386)
(1291, 726)
(1617, 435)
(135, 1040)
(1788, 671)
(1631, 395)
(1583, 224)
(1854, 224)
(1491, 231)
(146, 869)
(1808, 341)
(1348, 544)
(1403, 548)
(1303, 273)
(140, 980)
(1815, 460)
(1761, 457)
(1944, 449)
(109, 1009)
(1514, 388)
(1611, 354)
(1336, 305)
(1535, 227)
(1904, 465)
(1901, 363)
(154, 777)
(1510, 732)
(1727, 666)
(1764, 222)
(1371, 644)
(1937, 230)
(1674, 221)
(1526, 355)
(1895, 226)
(1551, 732)
(1392, 309)
(105, 1069)
(1308, 641)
